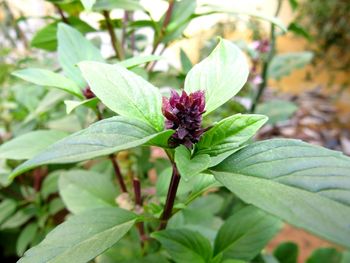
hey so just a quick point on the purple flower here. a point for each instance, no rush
(262, 46)
(184, 115)
(88, 94)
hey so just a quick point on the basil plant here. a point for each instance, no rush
(274, 180)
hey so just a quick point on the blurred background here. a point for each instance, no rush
(299, 78)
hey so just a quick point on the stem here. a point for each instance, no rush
(169, 204)
(138, 201)
(118, 49)
(266, 64)
(60, 11)
(118, 174)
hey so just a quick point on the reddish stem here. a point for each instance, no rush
(138, 201)
(118, 174)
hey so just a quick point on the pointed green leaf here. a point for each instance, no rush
(29, 144)
(246, 233)
(306, 185)
(190, 166)
(43, 77)
(186, 63)
(128, 5)
(230, 133)
(136, 61)
(26, 236)
(101, 138)
(88, 4)
(185, 245)
(124, 92)
(85, 190)
(73, 47)
(71, 105)
(82, 237)
(7, 208)
(221, 75)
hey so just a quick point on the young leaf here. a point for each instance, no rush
(43, 77)
(29, 144)
(71, 105)
(124, 92)
(287, 252)
(186, 63)
(230, 133)
(246, 233)
(306, 185)
(26, 236)
(185, 245)
(187, 166)
(101, 138)
(136, 61)
(221, 75)
(85, 190)
(82, 237)
(73, 47)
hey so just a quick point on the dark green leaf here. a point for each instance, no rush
(246, 233)
(287, 252)
(325, 255)
(306, 185)
(185, 245)
(82, 237)
(299, 30)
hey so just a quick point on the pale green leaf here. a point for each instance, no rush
(124, 92)
(185, 245)
(306, 185)
(230, 133)
(128, 5)
(190, 166)
(101, 138)
(43, 77)
(136, 61)
(82, 237)
(29, 144)
(71, 105)
(7, 208)
(221, 75)
(73, 47)
(26, 236)
(277, 110)
(85, 190)
(88, 4)
(246, 233)
(284, 64)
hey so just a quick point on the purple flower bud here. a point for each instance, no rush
(184, 115)
(88, 94)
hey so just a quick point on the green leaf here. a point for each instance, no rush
(185, 245)
(287, 252)
(186, 63)
(124, 92)
(128, 5)
(71, 105)
(246, 233)
(101, 138)
(284, 64)
(82, 237)
(294, 4)
(85, 190)
(230, 133)
(19, 218)
(29, 144)
(25, 238)
(43, 77)
(136, 61)
(190, 166)
(46, 37)
(277, 110)
(7, 208)
(88, 4)
(306, 185)
(221, 75)
(72, 49)
(299, 30)
(325, 255)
